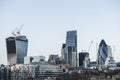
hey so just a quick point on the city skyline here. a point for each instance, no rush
(45, 24)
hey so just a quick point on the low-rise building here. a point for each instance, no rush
(32, 59)
(93, 64)
(34, 71)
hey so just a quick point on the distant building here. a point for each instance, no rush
(93, 64)
(5, 72)
(55, 59)
(110, 63)
(71, 48)
(16, 49)
(28, 59)
(118, 64)
(52, 58)
(33, 59)
(35, 72)
(46, 70)
(103, 52)
(109, 51)
(23, 72)
(84, 59)
(63, 51)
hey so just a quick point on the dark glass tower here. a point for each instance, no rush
(16, 49)
(82, 57)
(71, 48)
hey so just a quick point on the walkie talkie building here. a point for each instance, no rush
(16, 49)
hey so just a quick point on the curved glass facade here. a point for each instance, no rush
(102, 52)
(16, 49)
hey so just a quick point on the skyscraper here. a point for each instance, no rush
(103, 52)
(71, 48)
(16, 49)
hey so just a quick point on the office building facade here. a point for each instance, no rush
(35, 72)
(84, 59)
(16, 49)
(71, 48)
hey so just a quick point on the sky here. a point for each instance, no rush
(45, 23)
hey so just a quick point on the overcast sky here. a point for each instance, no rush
(45, 23)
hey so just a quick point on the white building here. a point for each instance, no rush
(33, 59)
(110, 63)
(86, 62)
(109, 50)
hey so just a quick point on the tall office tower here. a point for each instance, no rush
(102, 52)
(16, 49)
(71, 48)
(63, 51)
(84, 59)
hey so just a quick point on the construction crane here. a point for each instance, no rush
(17, 30)
(90, 46)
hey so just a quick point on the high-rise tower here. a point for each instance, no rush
(16, 48)
(71, 48)
(103, 52)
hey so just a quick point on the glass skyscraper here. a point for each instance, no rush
(71, 48)
(103, 52)
(16, 49)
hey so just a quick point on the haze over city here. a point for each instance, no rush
(45, 24)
